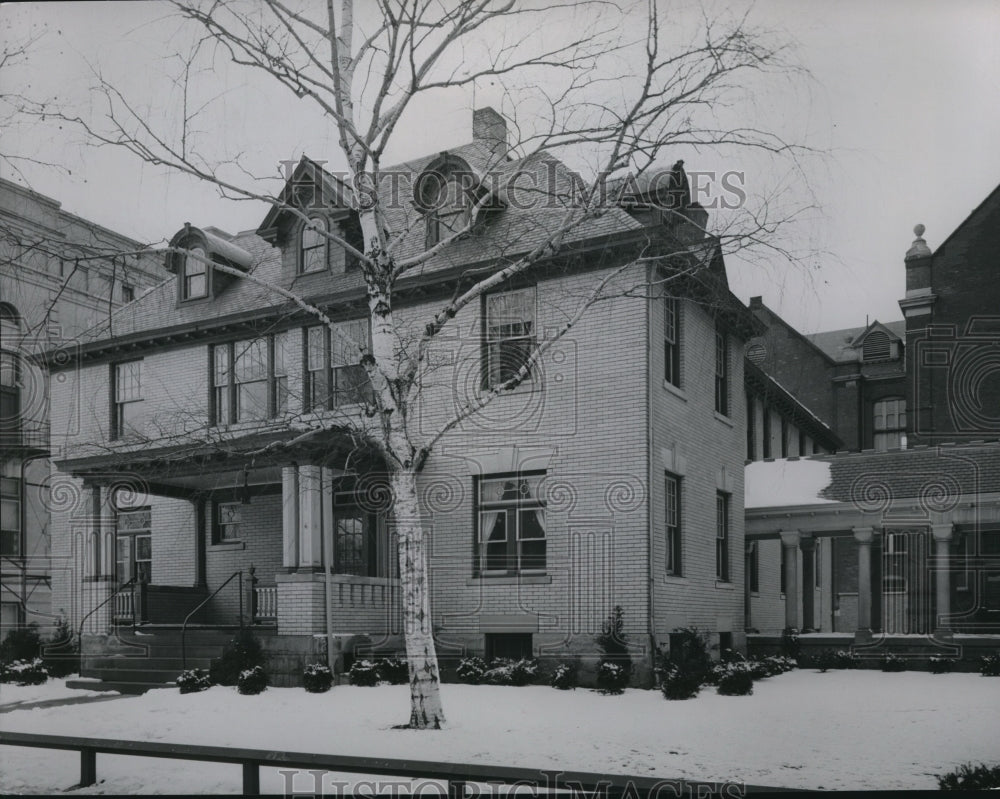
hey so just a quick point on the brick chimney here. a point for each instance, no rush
(918, 265)
(490, 128)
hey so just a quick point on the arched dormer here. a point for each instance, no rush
(447, 193)
(192, 253)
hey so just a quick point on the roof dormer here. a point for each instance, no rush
(877, 343)
(192, 255)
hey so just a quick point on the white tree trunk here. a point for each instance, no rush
(425, 696)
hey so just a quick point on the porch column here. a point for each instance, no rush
(790, 541)
(942, 576)
(863, 537)
(310, 517)
(290, 516)
(808, 546)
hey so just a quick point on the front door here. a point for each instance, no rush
(133, 561)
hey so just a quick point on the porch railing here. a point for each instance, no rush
(265, 604)
(205, 601)
(125, 606)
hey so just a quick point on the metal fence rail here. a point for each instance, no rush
(456, 775)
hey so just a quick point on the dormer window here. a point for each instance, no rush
(876, 347)
(313, 246)
(443, 193)
(195, 280)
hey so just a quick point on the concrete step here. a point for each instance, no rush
(132, 663)
(120, 687)
(152, 676)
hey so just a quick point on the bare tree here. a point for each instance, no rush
(619, 97)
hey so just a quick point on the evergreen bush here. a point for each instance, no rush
(317, 678)
(471, 670)
(242, 653)
(21, 643)
(893, 662)
(611, 678)
(970, 778)
(677, 684)
(938, 664)
(737, 680)
(565, 676)
(252, 681)
(61, 653)
(989, 665)
(24, 672)
(364, 673)
(394, 671)
(192, 681)
(613, 643)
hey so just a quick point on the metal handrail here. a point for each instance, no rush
(202, 604)
(129, 583)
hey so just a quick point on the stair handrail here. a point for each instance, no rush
(130, 583)
(202, 604)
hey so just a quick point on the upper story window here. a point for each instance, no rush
(128, 293)
(10, 341)
(784, 437)
(721, 371)
(765, 435)
(751, 429)
(194, 280)
(334, 375)
(889, 423)
(722, 536)
(10, 508)
(249, 379)
(127, 388)
(509, 333)
(511, 525)
(876, 347)
(673, 523)
(314, 245)
(672, 341)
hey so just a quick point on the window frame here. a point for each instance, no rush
(224, 383)
(510, 508)
(721, 371)
(11, 494)
(304, 252)
(884, 437)
(674, 533)
(186, 276)
(118, 410)
(753, 566)
(379, 555)
(490, 341)
(330, 387)
(219, 527)
(722, 537)
(672, 341)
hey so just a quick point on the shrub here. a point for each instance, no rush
(22, 643)
(192, 681)
(364, 673)
(241, 654)
(611, 678)
(510, 672)
(771, 666)
(317, 678)
(676, 684)
(939, 664)
(893, 662)
(61, 653)
(613, 643)
(736, 680)
(790, 646)
(689, 653)
(989, 665)
(565, 676)
(394, 671)
(25, 672)
(836, 659)
(252, 681)
(471, 670)
(970, 778)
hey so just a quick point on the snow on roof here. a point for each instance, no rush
(780, 483)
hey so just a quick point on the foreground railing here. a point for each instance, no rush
(455, 775)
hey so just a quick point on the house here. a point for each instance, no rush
(59, 275)
(205, 434)
(900, 539)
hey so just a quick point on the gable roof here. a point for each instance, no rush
(993, 196)
(838, 345)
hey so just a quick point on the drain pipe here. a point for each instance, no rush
(326, 513)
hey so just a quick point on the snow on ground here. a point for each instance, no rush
(839, 730)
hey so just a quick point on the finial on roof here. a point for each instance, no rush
(919, 248)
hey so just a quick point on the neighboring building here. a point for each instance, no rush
(59, 275)
(613, 477)
(903, 540)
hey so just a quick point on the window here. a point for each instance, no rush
(228, 522)
(673, 523)
(10, 509)
(722, 536)
(782, 563)
(313, 245)
(765, 436)
(510, 334)
(511, 646)
(894, 563)
(127, 383)
(751, 430)
(194, 283)
(249, 379)
(876, 347)
(753, 566)
(361, 544)
(133, 545)
(10, 393)
(672, 341)
(889, 423)
(784, 437)
(334, 375)
(450, 207)
(511, 525)
(128, 293)
(721, 372)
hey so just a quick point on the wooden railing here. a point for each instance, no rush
(265, 604)
(125, 607)
(455, 775)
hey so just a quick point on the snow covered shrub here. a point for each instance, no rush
(25, 672)
(471, 670)
(970, 778)
(252, 681)
(22, 643)
(61, 653)
(736, 679)
(989, 666)
(242, 653)
(394, 671)
(613, 643)
(677, 684)
(846, 659)
(770, 666)
(317, 678)
(364, 673)
(611, 678)
(565, 676)
(510, 672)
(192, 681)
(790, 646)
(939, 664)
(893, 662)
(688, 657)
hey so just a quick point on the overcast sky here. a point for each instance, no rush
(904, 98)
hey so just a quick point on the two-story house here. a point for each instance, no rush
(210, 456)
(59, 275)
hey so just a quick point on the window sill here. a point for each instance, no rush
(725, 585)
(516, 579)
(676, 579)
(224, 546)
(724, 419)
(675, 390)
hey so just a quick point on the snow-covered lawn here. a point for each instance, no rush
(839, 730)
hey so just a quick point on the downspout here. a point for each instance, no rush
(650, 587)
(326, 523)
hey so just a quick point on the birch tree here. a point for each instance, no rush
(621, 92)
